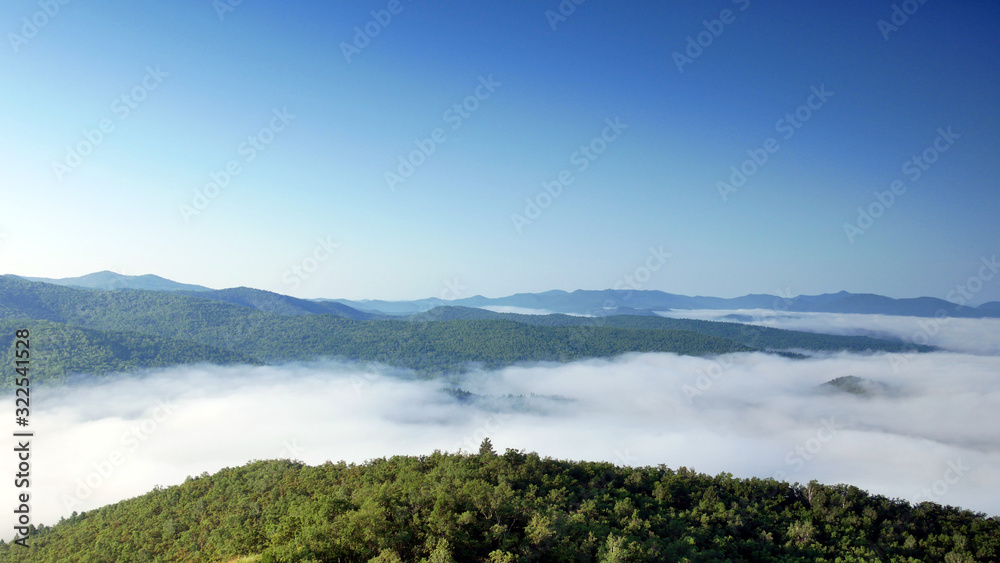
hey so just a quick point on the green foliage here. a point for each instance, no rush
(100, 332)
(504, 508)
(59, 350)
(757, 337)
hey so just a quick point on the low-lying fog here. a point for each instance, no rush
(929, 433)
(975, 336)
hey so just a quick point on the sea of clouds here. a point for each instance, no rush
(934, 437)
(974, 336)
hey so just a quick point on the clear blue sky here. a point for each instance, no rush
(216, 81)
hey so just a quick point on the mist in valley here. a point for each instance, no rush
(925, 431)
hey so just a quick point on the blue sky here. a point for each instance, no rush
(307, 209)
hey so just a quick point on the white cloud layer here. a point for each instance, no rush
(974, 336)
(748, 414)
(516, 310)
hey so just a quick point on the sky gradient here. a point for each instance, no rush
(251, 146)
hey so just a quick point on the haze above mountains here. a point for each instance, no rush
(579, 302)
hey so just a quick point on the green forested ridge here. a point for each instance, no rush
(513, 507)
(443, 346)
(758, 337)
(58, 350)
(93, 331)
(282, 304)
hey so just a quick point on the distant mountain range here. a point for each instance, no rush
(109, 280)
(270, 302)
(91, 331)
(579, 302)
(266, 301)
(610, 301)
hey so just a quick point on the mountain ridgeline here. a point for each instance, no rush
(612, 301)
(110, 280)
(98, 332)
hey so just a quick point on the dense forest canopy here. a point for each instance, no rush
(510, 507)
(100, 332)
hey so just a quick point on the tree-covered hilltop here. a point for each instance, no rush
(511, 507)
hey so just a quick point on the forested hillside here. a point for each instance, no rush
(758, 337)
(510, 507)
(58, 350)
(99, 332)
